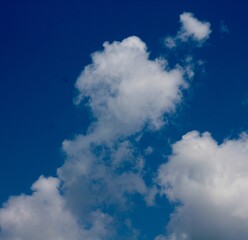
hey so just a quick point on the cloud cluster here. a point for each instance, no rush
(209, 183)
(191, 29)
(127, 93)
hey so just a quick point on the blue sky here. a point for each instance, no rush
(44, 48)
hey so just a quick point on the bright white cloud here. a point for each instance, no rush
(43, 216)
(191, 28)
(127, 90)
(211, 183)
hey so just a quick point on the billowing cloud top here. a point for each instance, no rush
(210, 181)
(125, 88)
(126, 92)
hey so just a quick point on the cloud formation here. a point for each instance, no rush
(127, 93)
(43, 215)
(125, 88)
(191, 29)
(209, 183)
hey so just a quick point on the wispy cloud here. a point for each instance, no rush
(245, 100)
(223, 27)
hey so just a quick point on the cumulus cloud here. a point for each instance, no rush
(191, 29)
(127, 93)
(125, 88)
(209, 183)
(43, 215)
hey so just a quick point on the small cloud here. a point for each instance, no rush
(170, 42)
(223, 27)
(191, 29)
(245, 101)
(149, 150)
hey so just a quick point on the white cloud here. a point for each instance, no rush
(170, 42)
(43, 216)
(191, 28)
(127, 90)
(210, 181)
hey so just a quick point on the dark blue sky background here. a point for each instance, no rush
(44, 45)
